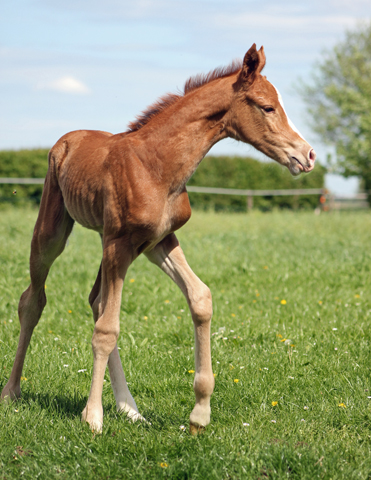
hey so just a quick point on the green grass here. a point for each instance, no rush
(320, 265)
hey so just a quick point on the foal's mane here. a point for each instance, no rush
(193, 83)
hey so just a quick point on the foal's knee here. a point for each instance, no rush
(105, 336)
(201, 306)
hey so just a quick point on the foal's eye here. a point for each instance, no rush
(268, 109)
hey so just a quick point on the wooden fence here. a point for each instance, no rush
(333, 202)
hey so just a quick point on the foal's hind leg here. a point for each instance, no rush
(52, 229)
(124, 400)
(170, 258)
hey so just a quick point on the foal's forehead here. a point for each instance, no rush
(267, 91)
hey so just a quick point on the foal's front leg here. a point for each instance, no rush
(170, 258)
(116, 260)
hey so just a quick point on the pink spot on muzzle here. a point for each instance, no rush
(311, 158)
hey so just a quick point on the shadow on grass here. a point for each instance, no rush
(70, 406)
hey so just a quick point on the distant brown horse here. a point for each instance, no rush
(131, 189)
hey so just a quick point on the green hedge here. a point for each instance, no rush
(248, 173)
(224, 172)
(22, 164)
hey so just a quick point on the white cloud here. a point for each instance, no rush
(282, 22)
(66, 84)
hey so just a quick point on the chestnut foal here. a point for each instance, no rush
(131, 189)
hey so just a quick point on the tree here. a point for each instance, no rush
(339, 103)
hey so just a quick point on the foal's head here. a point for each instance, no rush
(258, 117)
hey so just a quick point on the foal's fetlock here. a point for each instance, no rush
(10, 394)
(200, 417)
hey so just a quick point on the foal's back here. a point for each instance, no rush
(106, 184)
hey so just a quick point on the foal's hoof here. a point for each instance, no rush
(132, 414)
(95, 423)
(196, 429)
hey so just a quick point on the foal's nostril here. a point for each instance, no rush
(312, 155)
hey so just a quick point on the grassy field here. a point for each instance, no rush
(290, 346)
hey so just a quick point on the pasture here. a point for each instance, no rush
(290, 348)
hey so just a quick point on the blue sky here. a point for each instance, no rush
(88, 64)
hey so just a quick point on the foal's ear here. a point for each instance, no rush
(253, 64)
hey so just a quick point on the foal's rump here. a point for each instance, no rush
(77, 163)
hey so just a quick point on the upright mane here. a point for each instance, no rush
(193, 83)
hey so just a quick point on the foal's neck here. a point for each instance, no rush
(177, 139)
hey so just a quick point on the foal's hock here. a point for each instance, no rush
(131, 189)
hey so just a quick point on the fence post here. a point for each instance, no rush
(250, 203)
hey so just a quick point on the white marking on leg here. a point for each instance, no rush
(124, 400)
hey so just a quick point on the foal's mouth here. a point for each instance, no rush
(303, 167)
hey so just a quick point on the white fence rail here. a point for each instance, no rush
(334, 201)
(22, 181)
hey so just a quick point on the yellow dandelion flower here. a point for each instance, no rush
(69, 311)
(240, 306)
(132, 280)
(50, 331)
(283, 302)
(265, 267)
(145, 317)
(163, 465)
(24, 379)
(233, 314)
(191, 371)
(342, 405)
(214, 375)
(167, 301)
(254, 301)
(179, 318)
(274, 404)
(236, 380)
(357, 295)
(279, 335)
(283, 340)
(320, 302)
(258, 294)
